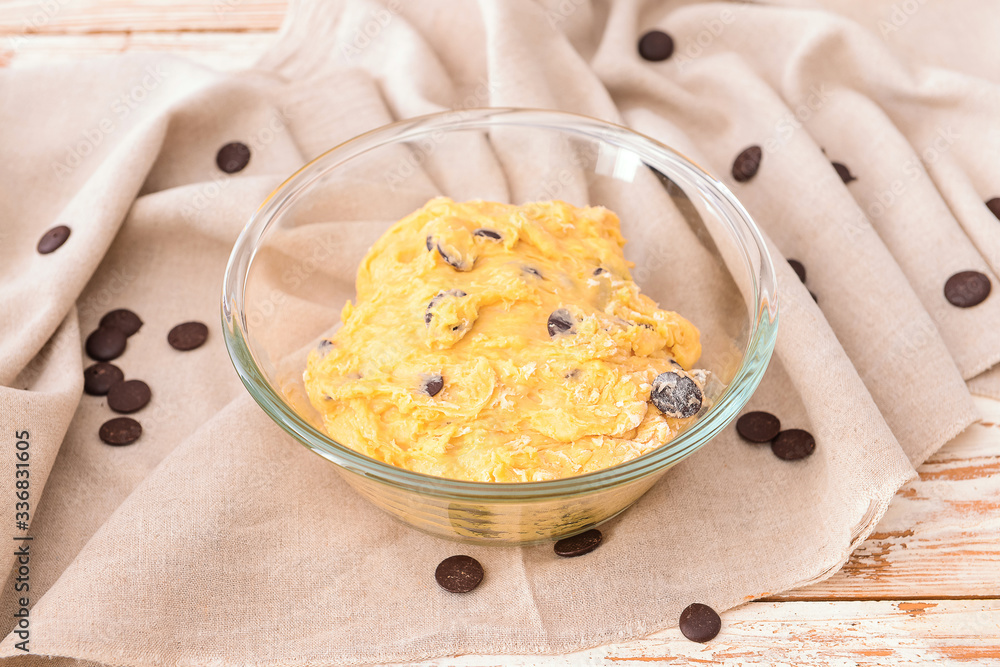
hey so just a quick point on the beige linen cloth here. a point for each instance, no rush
(216, 539)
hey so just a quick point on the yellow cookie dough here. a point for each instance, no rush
(501, 343)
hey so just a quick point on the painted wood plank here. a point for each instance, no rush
(87, 16)
(225, 51)
(965, 632)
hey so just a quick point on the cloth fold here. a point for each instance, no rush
(216, 538)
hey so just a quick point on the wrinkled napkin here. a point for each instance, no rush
(216, 539)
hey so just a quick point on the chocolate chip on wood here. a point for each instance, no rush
(700, 623)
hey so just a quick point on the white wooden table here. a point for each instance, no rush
(924, 588)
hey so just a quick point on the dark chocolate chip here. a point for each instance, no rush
(758, 426)
(105, 344)
(428, 315)
(454, 262)
(532, 270)
(700, 623)
(793, 444)
(598, 271)
(459, 574)
(676, 395)
(429, 243)
(433, 385)
(560, 322)
(813, 295)
(578, 545)
(100, 377)
(324, 344)
(747, 163)
(845, 174)
(187, 336)
(966, 289)
(122, 319)
(52, 239)
(233, 157)
(120, 431)
(129, 396)
(994, 206)
(656, 46)
(488, 233)
(799, 268)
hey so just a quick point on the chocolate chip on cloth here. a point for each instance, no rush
(53, 239)
(100, 377)
(122, 319)
(793, 444)
(129, 396)
(699, 622)
(799, 268)
(967, 289)
(233, 157)
(758, 426)
(845, 174)
(747, 163)
(459, 574)
(578, 545)
(120, 431)
(994, 206)
(656, 46)
(187, 336)
(105, 344)
(676, 394)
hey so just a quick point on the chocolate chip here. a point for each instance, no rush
(120, 431)
(429, 243)
(187, 336)
(758, 426)
(578, 545)
(813, 295)
(122, 319)
(676, 395)
(747, 163)
(560, 322)
(454, 262)
(488, 233)
(700, 623)
(598, 271)
(428, 315)
(966, 289)
(233, 157)
(129, 396)
(459, 574)
(845, 174)
(793, 444)
(656, 45)
(994, 206)
(52, 239)
(105, 344)
(799, 268)
(433, 385)
(100, 377)
(532, 270)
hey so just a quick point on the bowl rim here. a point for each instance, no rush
(756, 357)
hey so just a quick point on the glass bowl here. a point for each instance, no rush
(695, 248)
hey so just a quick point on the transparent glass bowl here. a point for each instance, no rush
(695, 248)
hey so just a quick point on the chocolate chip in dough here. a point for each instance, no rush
(100, 377)
(578, 545)
(700, 623)
(454, 262)
(428, 315)
(747, 163)
(459, 574)
(799, 268)
(129, 396)
(533, 271)
(676, 395)
(599, 270)
(793, 444)
(994, 206)
(233, 157)
(656, 46)
(845, 174)
(52, 239)
(433, 385)
(758, 426)
(122, 319)
(120, 431)
(187, 336)
(966, 289)
(560, 322)
(105, 344)
(488, 233)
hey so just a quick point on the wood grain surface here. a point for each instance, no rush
(924, 588)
